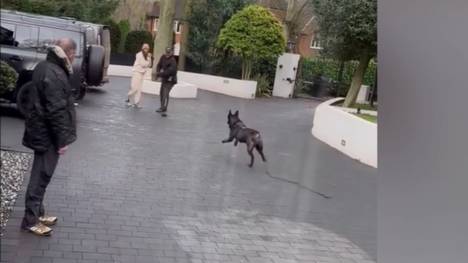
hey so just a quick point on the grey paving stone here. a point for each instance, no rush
(72, 255)
(53, 254)
(81, 248)
(64, 260)
(41, 260)
(136, 186)
(97, 256)
(61, 247)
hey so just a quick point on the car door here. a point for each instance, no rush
(18, 49)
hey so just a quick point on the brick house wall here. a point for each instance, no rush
(304, 40)
(152, 22)
(304, 46)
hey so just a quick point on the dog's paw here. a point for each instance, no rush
(250, 165)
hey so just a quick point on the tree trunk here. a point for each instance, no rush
(340, 77)
(246, 68)
(184, 34)
(293, 13)
(165, 34)
(357, 80)
(287, 24)
(290, 11)
(341, 71)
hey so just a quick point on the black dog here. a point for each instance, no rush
(240, 133)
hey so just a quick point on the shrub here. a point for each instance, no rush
(135, 40)
(124, 26)
(8, 78)
(206, 20)
(266, 68)
(253, 34)
(226, 66)
(263, 86)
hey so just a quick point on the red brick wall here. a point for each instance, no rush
(149, 27)
(304, 49)
(177, 36)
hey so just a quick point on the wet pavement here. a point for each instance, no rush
(137, 187)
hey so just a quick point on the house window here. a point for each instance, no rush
(315, 43)
(177, 26)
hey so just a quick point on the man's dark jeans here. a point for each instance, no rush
(164, 94)
(42, 170)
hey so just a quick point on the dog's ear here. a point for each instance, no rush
(236, 113)
(230, 113)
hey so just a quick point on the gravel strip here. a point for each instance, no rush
(14, 166)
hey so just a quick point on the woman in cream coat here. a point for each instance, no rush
(140, 67)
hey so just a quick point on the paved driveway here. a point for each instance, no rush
(136, 187)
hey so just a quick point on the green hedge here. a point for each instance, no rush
(8, 78)
(330, 69)
(135, 40)
(124, 27)
(115, 35)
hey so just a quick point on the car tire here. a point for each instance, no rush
(95, 70)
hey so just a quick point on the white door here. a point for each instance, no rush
(285, 78)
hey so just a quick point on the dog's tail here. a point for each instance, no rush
(259, 146)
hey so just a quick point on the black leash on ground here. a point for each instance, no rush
(267, 172)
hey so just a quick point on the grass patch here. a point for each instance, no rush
(359, 105)
(364, 107)
(367, 117)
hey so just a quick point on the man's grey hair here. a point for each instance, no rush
(66, 44)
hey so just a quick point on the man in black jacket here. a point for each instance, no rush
(49, 128)
(166, 70)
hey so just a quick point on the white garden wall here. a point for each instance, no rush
(181, 90)
(189, 82)
(346, 132)
(233, 87)
(120, 71)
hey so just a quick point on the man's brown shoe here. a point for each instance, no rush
(39, 229)
(48, 220)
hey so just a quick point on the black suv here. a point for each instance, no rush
(25, 38)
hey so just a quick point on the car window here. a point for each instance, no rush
(21, 36)
(26, 36)
(47, 36)
(90, 36)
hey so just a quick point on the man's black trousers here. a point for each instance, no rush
(43, 168)
(164, 94)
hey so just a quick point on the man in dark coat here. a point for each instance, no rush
(50, 126)
(166, 70)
